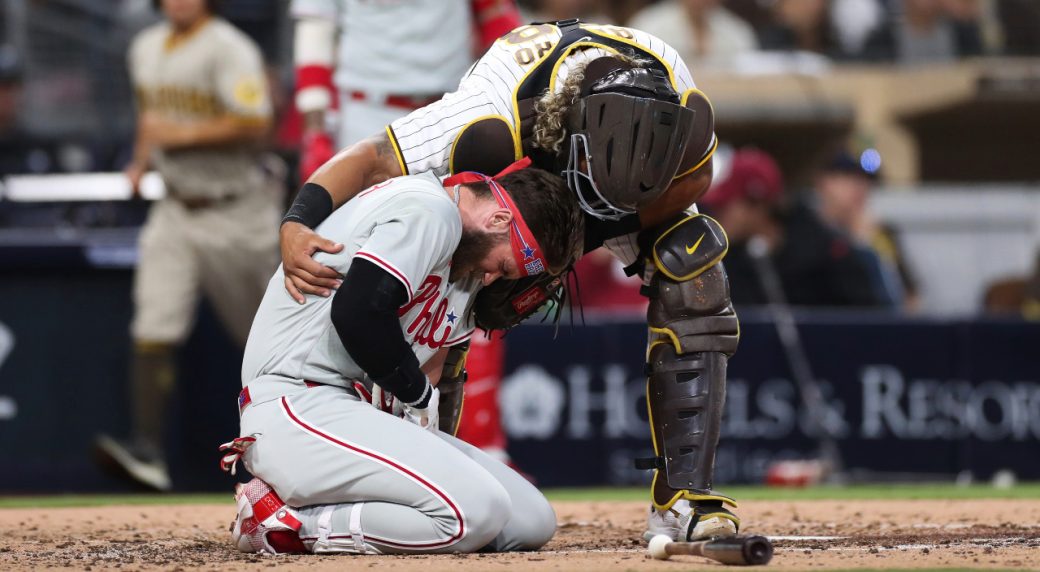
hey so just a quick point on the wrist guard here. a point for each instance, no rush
(313, 204)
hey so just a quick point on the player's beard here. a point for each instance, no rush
(474, 247)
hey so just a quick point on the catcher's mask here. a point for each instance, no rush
(632, 132)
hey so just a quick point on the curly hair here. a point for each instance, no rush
(551, 109)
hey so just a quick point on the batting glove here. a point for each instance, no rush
(425, 417)
(379, 398)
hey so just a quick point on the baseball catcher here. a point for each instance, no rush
(615, 111)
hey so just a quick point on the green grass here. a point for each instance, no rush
(742, 493)
(823, 492)
(62, 501)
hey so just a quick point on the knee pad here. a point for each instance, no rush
(689, 292)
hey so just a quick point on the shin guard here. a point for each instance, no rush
(693, 331)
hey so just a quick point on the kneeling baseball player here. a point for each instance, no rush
(335, 473)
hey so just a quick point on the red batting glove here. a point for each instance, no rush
(316, 150)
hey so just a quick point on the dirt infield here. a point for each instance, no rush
(597, 536)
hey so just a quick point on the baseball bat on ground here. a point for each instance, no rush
(738, 550)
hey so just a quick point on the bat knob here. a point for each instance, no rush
(657, 547)
(758, 550)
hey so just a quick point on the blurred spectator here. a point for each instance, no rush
(816, 264)
(20, 151)
(745, 198)
(841, 191)
(1017, 295)
(757, 13)
(854, 22)
(553, 10)
(929, 31)
(705, 34)
(800, 25)
(1031, 303)
(1019, 26)
(839, 29)
(613, 292)
(202, 104)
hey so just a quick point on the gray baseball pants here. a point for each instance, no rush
(367, 482)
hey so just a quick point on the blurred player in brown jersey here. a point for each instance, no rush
(202, 105)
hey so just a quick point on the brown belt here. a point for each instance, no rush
(196, 203)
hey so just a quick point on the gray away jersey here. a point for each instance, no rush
(409, 227)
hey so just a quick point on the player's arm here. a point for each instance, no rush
(242, 100)
(682, 193)
(140, 158)
(695, 170)
(142, 150)
(314, 48)
(352, 170)
(226, 129)
(364, 313)
(434, 367)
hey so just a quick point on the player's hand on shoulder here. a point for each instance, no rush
(303, 275)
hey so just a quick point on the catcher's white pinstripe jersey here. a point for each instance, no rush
(425, 138)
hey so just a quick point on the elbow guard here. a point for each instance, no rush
(313, 53)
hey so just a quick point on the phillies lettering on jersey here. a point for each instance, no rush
(432, 315)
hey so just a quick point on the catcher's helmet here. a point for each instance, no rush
(632, 132)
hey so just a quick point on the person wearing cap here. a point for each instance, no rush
(745, 198)
(817, 265)
(340, 401)
(840, 194)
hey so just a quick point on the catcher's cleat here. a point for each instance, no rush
(264, 523)
(687, 521)
(142, 464)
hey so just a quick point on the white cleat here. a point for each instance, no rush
(264, 523)
(684, 523)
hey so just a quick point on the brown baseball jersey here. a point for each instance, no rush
(212, 71)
